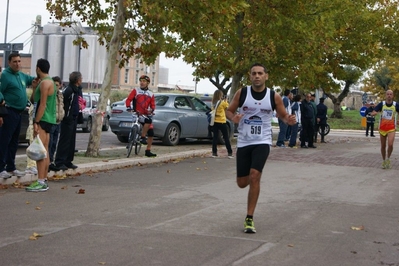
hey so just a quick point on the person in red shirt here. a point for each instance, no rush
(144, 104)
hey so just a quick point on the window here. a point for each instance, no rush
(137, 77)
(127, 76)
(161, 100)
(199, 105)
(182, 103)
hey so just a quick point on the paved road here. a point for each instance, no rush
(327, 206)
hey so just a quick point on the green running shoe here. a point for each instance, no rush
(249, 226)
(37, 187)
(387, 164)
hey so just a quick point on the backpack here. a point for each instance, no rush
(59, 107)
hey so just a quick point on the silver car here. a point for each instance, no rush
(177, 116)
(90, 110)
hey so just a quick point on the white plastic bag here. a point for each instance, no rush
(36, 150)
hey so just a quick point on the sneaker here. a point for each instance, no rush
(37, 187)
(17, 173)
(384, 166)
(54, 168)
(230, 156)
(61, 167)
(388, 164)
(5, 175)
(150, 154)
(31, 170)
(214, 155)
(281, 145)
(143, 141)
(249, 226)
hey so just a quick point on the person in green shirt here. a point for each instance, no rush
(44, 97)
(13, 85)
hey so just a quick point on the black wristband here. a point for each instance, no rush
(35, 122)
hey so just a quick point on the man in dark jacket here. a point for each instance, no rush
(370, 120)
(307, 121)
(66, 145)
(321, 119)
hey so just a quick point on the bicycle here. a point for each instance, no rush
(134, 135)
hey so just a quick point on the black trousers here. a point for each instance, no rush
(66, 144)
(370, 126)
(307, 132)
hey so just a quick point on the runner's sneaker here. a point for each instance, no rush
(384, 165)
(249, 226)
(17, 173)
(37, 187)
(5, 175)
(388, 164)
(31, 170)
(230, 156)
(214, 155)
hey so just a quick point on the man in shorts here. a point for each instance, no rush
(44, 97)
(256, 103)
(387, 128)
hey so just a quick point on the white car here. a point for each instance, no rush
(90, 110)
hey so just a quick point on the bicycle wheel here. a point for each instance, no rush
(137, 145)
(132, 139)
(326, 130)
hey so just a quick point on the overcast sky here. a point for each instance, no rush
(22, 14)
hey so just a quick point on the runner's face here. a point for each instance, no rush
(258, 76)
(389, 95)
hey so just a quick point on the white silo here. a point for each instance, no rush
(39, 50)
(55, 54)
(100, 63)
(88, 59)
(70, 58)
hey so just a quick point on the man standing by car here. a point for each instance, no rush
(13, 96)
(65, 152)
(256, 103)
(144, 104)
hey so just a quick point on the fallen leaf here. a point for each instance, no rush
(290, 245)
(27, 202)
(354, 252)
(64, 187)
(198, 168)
(168, 171)
(76, 186)
(357, 228)
(38, 208)
(34, 236)
(81, 191)
(102, 263)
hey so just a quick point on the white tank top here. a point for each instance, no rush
(255, 126)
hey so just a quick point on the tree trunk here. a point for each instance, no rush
(337, 113)
(93, 146)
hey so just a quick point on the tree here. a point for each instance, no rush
(304, 44)
(142, 29)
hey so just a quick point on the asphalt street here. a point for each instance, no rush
(333, 205)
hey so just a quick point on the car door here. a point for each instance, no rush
(188, 117)
(202, 122)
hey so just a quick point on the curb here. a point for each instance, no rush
(109, 165)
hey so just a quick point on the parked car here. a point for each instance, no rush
(177, 116)
(90, 110)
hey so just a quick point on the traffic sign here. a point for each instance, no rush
(363, 111)
(17, 46)
(5, 46)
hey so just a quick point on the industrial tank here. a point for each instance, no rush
(39, 50)
(55, 54)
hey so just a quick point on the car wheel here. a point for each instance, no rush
(105, 124)
(123, 139)
(172, 135)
